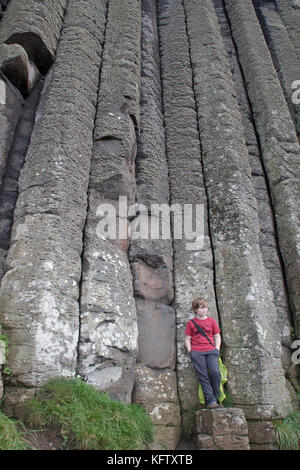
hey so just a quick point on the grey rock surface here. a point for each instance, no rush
(108, 334)
(278, 140)
(222, 429)
(40, 288)
(193, 269)
(286, 61)
(290, 13)
(11, 103)
(16, 66)
(36, 26)
(235, 228)
(152, 259)
(127, 129)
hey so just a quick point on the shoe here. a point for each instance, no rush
(213, 405)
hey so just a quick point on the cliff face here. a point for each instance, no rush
(108, 108)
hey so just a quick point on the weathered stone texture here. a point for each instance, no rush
(261, 432)
(108, 336)
(151, 259)
(36, 26)
(284, 56)
(267, 233)
(16, 66)
(193, 268)
(290, 13)
(242, 283)
(108, 332)
(185, 104)
(278, 140)
(151, 166)
(221, 429)
(156, 391)
(39, 291)
(10, 110)
(15, 160)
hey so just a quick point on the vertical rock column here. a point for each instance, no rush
(36, 27)
(29, 35)
(284, 56)
(11, 102)
(39, 291)
(245, 299)
(267, 234)
(108, 324)
(279, 143)
(193, 265)
(15, 161)
(290, 13)
(152, 259)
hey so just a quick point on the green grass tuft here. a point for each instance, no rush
(87, 419)
(228, 402)
(287, 432)
(11, 434)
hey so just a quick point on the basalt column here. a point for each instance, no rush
(290, 12)
(11, 102)
(278, 140)
(151, 255)
(36, 27)
(15, 160)
(29, 35)
(39, 291)
(108, 324)
(267, 234)
(245, 300)
(193, 260)
(285, 59)
(28, 39)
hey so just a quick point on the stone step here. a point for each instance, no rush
(221, 429)
(204, 442)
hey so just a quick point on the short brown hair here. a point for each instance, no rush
(199, 302)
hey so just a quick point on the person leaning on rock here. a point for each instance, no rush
(203, 354)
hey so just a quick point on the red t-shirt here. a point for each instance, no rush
(198, 341)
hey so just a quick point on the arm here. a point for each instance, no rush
(188, 343)
(217, 339)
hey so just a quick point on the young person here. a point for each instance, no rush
(203, 354)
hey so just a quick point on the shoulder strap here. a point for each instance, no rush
(200, 330)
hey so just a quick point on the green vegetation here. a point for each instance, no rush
(11, 434)
(228, 402)
(188, 420)
(287, 431)
(87, 419)
(293, 333)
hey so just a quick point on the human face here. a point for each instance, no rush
(201, 311)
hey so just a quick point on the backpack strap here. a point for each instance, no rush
(202, 332)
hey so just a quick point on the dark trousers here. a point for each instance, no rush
(206, 365)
